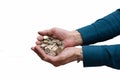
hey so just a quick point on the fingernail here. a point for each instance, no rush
(32, 48)
(38, 32)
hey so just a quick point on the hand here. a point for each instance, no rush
(69, 38)
(69, 54)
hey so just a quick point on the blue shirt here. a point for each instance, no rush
(103, 29)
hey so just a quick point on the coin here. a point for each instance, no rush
(51, 46)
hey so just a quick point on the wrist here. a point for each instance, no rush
(77, 38)
(79, 54)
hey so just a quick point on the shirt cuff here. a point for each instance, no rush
(94, 56)
(87, 33)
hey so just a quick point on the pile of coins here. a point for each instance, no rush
(51, 46)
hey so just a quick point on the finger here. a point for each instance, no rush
(40, 52)
(33, 48)
(55, 60)
(36, 51)
(46, 32)
(38, 42)
(39, 38)
(52, 59)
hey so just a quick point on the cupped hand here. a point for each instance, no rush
(69, 38)
(69, 54)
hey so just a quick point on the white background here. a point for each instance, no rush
(20, 20)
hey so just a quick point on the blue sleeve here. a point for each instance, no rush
(101, 55)
(103, 29)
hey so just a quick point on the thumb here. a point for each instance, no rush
(46, 32)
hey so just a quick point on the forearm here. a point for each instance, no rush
(101, 55)
(103, 29)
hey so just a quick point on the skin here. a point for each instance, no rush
(70, 53)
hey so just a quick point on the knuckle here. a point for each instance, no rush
(54, 28)
(38, 38)
(56, 65)
(36, 42)
(53, 60)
